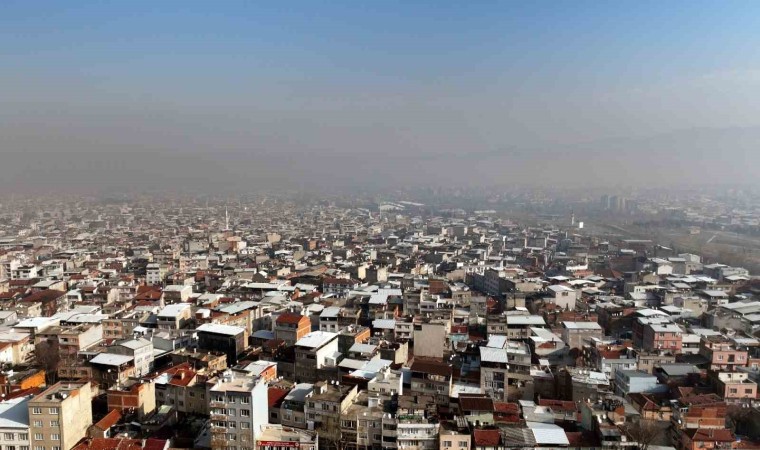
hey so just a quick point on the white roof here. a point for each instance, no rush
(15, 413)
(362, 348)
(490, 354)
(560, 288)
(582, 325)
(110, 359)
(384, 324)
(548, 433)
(330, 311)
(135, 343)
(173, 310)
(316, 339)
(218, 328)
(525, 320)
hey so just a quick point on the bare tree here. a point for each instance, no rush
(48, 358)
(737, 417)
(644, 432)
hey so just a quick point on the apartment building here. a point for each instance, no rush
(141, 351)
(293, 405)
(60, 416)
(722, 354)
(239, 408)
(432, 377)
(14, 423)
(291, 327)
(228, 339)
(174, 317)
(575, 334)
(279, 437)
(454, 440)
(315, 351)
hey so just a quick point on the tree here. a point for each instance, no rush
(48, 357)
(644, 432)
(738, 418)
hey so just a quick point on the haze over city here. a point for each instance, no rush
(349, 94)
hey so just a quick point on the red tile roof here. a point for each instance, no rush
(290, 318)
(276, 396)
(487, 438)
(110, 419)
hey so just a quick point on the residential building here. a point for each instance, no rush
(291, 327)
(239, 408)
(60, 416)
(14, 423)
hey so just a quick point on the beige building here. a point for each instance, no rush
(59, 416)
(429, 340)
(453, 440)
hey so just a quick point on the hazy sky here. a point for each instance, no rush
(301, 93)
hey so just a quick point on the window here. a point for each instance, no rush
(39, 447)
(9, 436)
(38, 437)
(232, 425)
(231, 412)
(447, 443)
(24, 437)
(55, 437)
(54, 410)
(36, 410)
(54, 423)
(245, 400)
(245, 413)
(55, 447)
(245, 425)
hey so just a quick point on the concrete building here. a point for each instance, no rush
(174, 317)
(454, 440)
(292, 409)
(141, 350)
(14, 423)
(562, 296)
(60, 416)
(429, 340)
(315, 351)
(228, 339)
(291, 327)
(575, 334)
(239, 408)
(279, 437)
(662, 337)
(633, 381)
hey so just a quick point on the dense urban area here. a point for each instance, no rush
(447, 320)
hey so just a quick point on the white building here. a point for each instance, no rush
(142, 352)
(14, 423)
(239, 408)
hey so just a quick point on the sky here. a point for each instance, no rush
(351, 93)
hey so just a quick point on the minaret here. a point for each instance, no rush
(226, 219)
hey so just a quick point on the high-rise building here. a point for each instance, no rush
(59, 416)
(239, 406)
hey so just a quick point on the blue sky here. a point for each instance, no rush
(342, 77)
